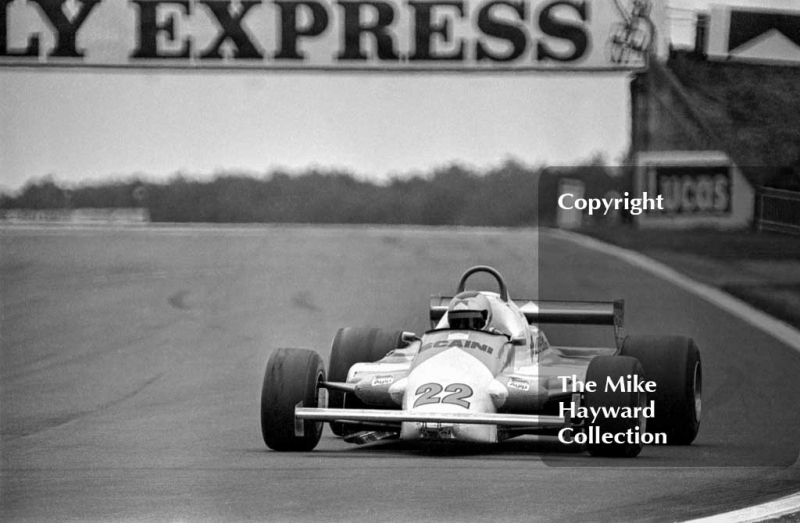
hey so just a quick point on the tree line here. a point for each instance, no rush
(509, 195)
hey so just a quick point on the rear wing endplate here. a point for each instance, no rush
(563, 312)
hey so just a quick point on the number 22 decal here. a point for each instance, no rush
(456, 394)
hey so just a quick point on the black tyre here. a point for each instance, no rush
(673, 363)
(615, 367)
(292, 377)
(353, 345)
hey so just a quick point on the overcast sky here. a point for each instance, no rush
(90, 125)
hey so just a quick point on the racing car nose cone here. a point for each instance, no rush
(449, 367)
(452, 381)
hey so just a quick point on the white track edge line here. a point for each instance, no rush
(764, 322)
(764, 512)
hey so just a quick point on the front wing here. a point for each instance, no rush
(399, 416)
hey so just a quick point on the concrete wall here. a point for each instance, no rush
(668, 132)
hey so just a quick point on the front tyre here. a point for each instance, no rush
(673, 363)
(292, 377)
(615, 367)
(353, 345)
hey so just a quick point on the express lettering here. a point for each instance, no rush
(462, 344)
(65, 29)
(507, 30)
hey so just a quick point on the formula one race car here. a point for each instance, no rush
(486, 373)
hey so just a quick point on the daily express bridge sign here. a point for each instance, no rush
(402, 35)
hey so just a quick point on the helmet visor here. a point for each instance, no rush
(475, 320)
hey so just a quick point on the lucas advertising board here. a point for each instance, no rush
(697, 188)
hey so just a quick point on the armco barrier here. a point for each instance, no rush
(115, 216)
(779, 210)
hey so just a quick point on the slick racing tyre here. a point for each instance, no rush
(673, 363)
(292, 377)
(356, 345)
(614, 367)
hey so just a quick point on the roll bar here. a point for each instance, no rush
(462, 283)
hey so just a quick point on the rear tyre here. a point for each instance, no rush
(356, 345)
(292, 377)
(615, 367)
(673, 363)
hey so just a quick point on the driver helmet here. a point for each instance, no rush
(469, 310)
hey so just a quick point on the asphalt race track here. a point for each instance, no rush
(132, 362)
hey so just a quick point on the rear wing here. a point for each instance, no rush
(563, 312)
